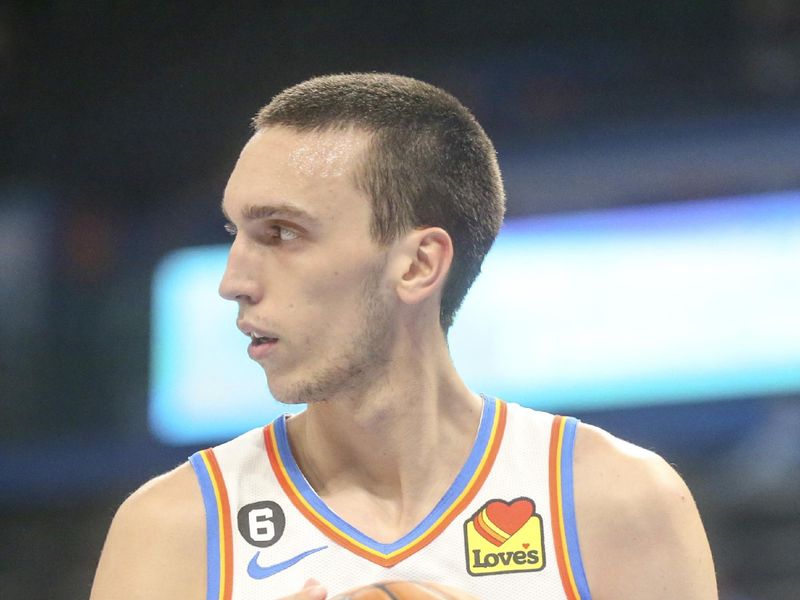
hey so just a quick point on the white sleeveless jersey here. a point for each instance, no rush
(504, 529)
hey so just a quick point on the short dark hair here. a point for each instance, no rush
(429, 163)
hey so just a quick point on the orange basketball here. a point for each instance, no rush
(404, 590)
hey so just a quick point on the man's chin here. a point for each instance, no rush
(285, 393)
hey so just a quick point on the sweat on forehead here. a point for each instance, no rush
(327, 153)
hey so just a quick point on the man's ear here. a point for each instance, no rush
(425, 259)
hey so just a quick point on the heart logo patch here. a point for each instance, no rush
(499, 520)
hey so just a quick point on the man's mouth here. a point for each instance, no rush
(262, 341)
(257, 340)
(261, 345)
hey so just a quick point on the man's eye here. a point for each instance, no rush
(230, 228)
(287, 235)
(283, 234)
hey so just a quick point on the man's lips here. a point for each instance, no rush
(261, 340)
(254, 331)
(260, 348)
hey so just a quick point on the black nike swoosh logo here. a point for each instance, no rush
(256, 571)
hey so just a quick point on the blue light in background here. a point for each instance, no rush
(683, 301)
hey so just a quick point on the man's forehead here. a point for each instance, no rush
(291, 170)
(326, 153)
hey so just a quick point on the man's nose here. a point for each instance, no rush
(239, 282)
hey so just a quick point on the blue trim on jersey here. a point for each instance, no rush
(212, 525)
(568, 508)
(455, 490)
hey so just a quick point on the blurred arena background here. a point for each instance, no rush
(119, 123)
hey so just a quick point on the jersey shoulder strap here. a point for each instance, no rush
(562, 502)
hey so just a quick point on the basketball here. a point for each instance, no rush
(404, 590)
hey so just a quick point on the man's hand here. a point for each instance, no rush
(312, 590)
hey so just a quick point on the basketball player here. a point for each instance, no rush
(361, 211)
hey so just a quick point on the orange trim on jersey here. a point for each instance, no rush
(557, 512)
(224, 512)
(363, 549)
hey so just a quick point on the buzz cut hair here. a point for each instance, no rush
(428, 163)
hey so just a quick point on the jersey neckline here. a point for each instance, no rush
(463, 489)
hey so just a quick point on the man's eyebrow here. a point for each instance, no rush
(253, 212)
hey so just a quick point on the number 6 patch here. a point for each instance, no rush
(261, 523)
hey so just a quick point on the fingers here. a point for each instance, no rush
(312, 590)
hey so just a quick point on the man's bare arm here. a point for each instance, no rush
(639, 530)
(156, 545)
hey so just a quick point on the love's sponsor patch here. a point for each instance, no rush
(504, 537)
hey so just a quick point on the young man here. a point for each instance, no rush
(361, 211)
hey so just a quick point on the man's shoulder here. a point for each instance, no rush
(156, 543)
(638, 525)
(622, 486)
(601, 458)
(170, 499)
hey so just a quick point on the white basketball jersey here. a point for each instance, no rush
(504, 529)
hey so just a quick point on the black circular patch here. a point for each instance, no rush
(261, 523)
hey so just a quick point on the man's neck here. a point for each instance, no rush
(397, 447)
